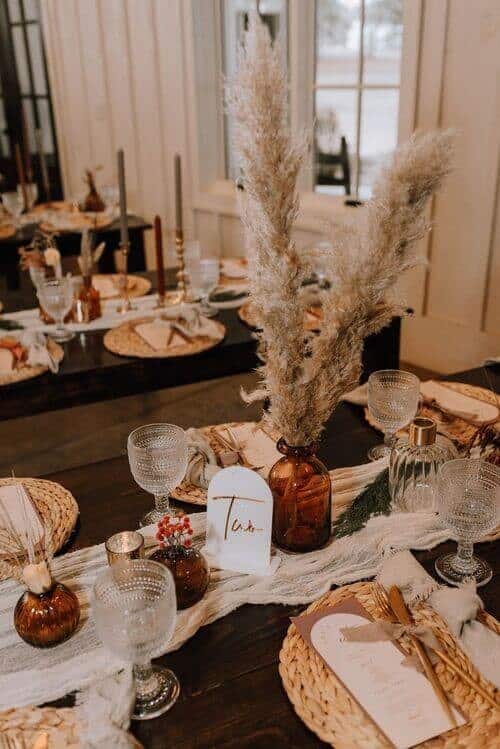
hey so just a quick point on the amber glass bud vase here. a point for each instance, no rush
(190, 571)
(48, 618)
(301, 490)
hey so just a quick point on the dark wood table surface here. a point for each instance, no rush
(90, 373)
(231, 692)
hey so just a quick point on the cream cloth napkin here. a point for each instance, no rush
(202, 461)
(187, 321)
(458, 607)
(104, 711)
(35, 344)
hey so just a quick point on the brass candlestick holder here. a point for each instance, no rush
(179, 295)
(181, 273)
(126, 305)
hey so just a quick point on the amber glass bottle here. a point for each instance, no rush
(88, 304)
(301, 490)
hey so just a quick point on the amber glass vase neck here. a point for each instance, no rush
(297, 451)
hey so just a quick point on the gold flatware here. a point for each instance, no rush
(404, 617)
(380, 597)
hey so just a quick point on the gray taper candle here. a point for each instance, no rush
(123, 199)
(178, 192)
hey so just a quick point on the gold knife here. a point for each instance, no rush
(404, 617)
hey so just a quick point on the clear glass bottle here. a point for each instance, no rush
(414, 465)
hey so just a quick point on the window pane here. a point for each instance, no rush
(45, 124)
(382, 41)
(335, 117)
(234, 21)
(379, 133)
(4, 140)
(31, 10)
(14, 12)
(337, 41)
(21, 60)
(35, 42)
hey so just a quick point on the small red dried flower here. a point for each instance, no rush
(174, 531)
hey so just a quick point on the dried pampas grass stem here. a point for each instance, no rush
(304, 379)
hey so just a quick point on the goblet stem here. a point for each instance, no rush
(146, 682)
(463, 559)
(162, 504)
(389, 438)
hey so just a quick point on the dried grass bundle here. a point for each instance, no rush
(25, 540)
(304, 379)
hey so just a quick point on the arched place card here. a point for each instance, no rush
(239, 522)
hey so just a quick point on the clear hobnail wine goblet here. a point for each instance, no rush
(134, 607)
(469, 501)
(56, 297)
(392, 401)
(158, 455)
(204, 276)
(14, 203)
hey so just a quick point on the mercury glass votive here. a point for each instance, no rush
(124, 545)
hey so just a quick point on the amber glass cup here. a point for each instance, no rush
(301, 490)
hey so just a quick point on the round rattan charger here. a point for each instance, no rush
(249, 315)
(124, 341)
(7, 231)
(26, 372)
(328, 709)
(57, 507)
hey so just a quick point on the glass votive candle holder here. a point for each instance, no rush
(124, 545)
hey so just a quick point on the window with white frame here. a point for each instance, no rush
(356, 46)
(356, 91)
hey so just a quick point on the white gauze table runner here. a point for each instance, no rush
(110, 318)
(32, 676)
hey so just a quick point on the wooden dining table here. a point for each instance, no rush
(90, 373)
(231, 692)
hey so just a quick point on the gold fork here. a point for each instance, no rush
(381, 599)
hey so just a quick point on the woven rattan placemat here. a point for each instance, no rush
(56, 505)
(124, 340)
(26, 373)
(21, 727)
(458, 430)
(326, 707)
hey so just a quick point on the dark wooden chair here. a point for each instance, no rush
(334, 168)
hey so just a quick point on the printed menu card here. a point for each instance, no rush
(397, 697)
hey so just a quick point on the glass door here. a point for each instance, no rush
(26, 116)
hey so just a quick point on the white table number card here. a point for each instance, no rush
(239, 522)
(398, 698)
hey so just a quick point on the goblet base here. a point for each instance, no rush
(154, 516)
(162, 699)
(446, 568)
(379, 451)
(62, 336)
